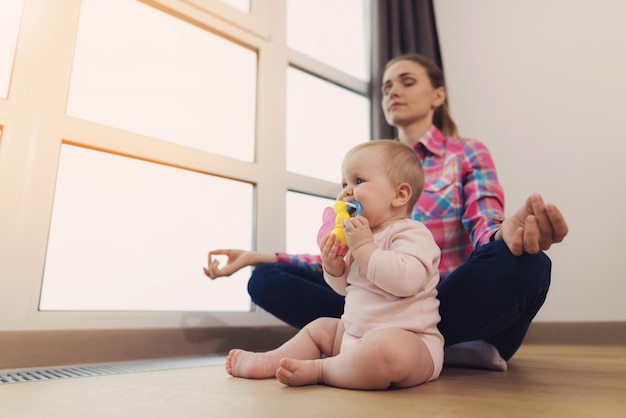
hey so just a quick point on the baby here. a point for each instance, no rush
(387, 336)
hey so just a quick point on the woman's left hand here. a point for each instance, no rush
(534, 227)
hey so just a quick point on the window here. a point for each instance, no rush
(243, 5)
(157, 131)
(331, 31)
(10, 13)
(327, 111)
(170, 80)
(131, 235)
(323, 122)
(304, 219)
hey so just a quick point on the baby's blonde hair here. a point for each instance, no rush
(401, 165)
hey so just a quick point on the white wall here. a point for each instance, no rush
(543, 84)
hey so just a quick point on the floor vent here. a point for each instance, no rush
(104, 369)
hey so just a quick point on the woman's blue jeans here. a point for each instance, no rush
(493, 296)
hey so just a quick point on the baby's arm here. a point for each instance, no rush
(404, 266)
(410, 261)
(360, 239)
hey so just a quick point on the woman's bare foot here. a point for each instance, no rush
(241, 363)
(293, 372)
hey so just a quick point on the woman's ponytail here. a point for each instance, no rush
(443, 121)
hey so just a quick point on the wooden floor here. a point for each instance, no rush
(542, 381)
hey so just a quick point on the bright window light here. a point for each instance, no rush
(132, 235)
(10, 13)
(330, 31)
(323, 122)
(304, 219)
(243, 5)
(163, 78)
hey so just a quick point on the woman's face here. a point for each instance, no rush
(408, 95)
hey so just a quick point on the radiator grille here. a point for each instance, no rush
(104, 369)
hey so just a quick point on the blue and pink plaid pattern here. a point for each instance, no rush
(462, 203)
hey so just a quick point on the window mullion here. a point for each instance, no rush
(271, 128)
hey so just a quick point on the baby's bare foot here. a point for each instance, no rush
(241, 363)
(293, 372)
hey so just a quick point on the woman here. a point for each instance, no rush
(494, 275)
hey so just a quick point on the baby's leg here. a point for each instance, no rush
(383, 358)
(310, 342)
(295, 372)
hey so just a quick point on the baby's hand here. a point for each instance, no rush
(331, 255)
(358, 232)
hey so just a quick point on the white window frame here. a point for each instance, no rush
(34, 127)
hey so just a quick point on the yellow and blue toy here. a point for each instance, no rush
(342, 213)
(332, 221)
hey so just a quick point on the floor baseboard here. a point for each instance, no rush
(609, 333)
(21, 349)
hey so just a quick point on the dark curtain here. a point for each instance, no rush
(398, 27)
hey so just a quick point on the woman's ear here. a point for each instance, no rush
(403, 194)
(439, 97)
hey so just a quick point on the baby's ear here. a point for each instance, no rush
(403, 194)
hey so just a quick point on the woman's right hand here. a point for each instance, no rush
(237, 259)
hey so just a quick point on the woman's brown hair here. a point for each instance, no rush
(441, 119)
